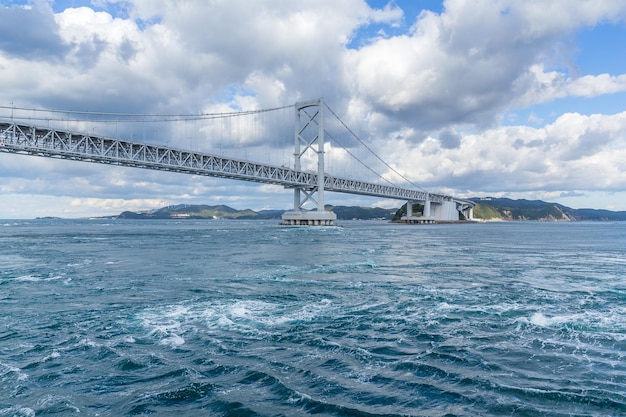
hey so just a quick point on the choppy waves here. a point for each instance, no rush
(174, 319)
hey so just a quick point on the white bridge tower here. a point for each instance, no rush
(309, 137)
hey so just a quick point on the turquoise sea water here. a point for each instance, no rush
(234, 318)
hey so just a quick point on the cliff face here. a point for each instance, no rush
(518, 210)
(505, 209)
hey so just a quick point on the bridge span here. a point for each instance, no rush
(26, 139)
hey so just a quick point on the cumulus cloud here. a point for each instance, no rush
(576, 152)
(475, 60)
(30, 33)
(544, 86)
(449, 139)
(430, 99)
(463, 66)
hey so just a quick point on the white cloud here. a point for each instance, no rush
(593, 86)
(542, 86)
(576, 152)
(429, 100)
(475, 60)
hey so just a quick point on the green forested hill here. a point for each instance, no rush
(536, 210)
(486, 209)
(187, 211)
(506, 209)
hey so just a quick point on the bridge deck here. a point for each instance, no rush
(54, 143)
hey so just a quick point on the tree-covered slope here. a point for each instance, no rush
(536, 210)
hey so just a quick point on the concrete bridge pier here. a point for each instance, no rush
(466, 210)
(309, 218)
(423, 219)
(448, 210)
(426, 213)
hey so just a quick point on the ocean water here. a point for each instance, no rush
(248, 318)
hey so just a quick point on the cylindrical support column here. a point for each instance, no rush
(296, 199)
(426, 208)
(409, 209)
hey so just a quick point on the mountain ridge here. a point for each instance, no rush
(493, 208)
(487, 209)
(220, 212)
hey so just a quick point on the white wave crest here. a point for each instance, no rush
(17, 411)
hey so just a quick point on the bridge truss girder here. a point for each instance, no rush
(54, 143)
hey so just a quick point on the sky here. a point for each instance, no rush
(471, 98)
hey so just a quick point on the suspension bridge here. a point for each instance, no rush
(307, 175)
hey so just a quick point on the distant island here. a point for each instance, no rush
(487, 209)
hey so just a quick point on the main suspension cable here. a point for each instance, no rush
(140, 117)
(372, 152)
(326, 133)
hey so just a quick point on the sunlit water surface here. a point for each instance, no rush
(234, 318)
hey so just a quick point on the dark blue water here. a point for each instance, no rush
(228, 318)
